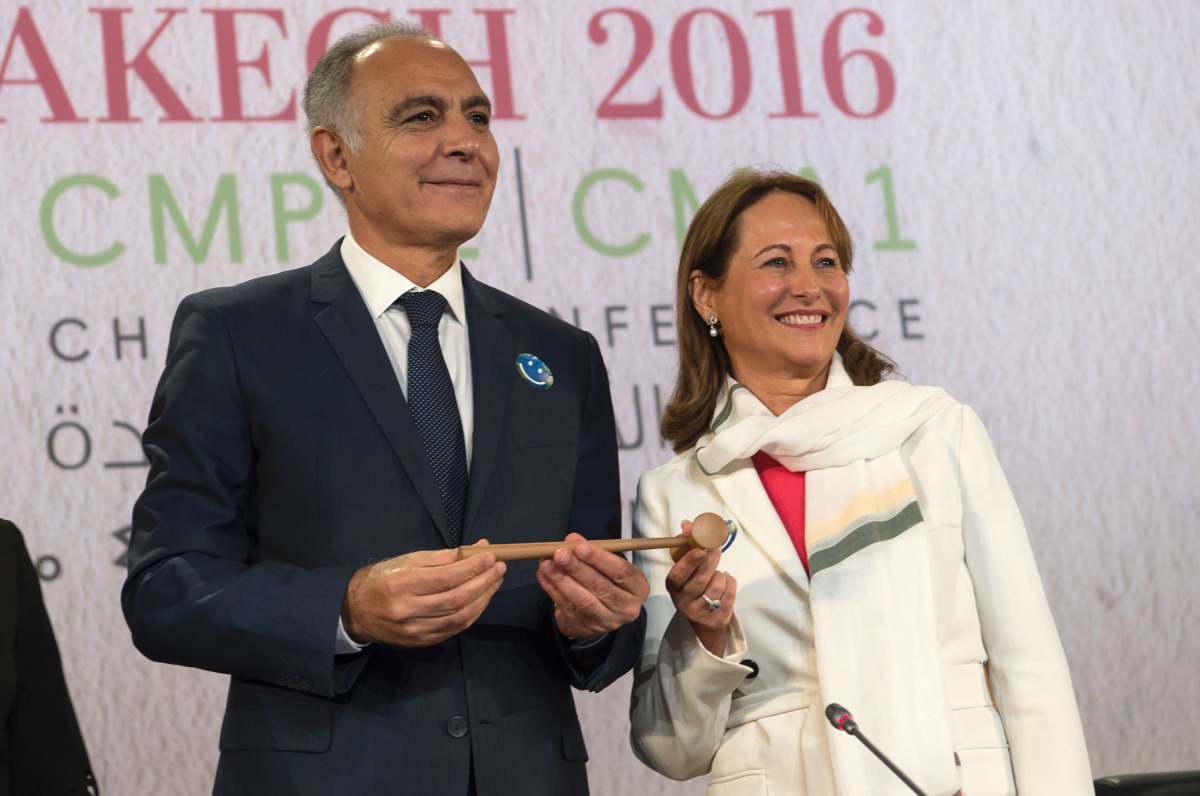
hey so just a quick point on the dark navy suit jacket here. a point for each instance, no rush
(283, 458)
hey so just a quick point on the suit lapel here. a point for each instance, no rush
(347, 325)
(493, 366)
(743, 493)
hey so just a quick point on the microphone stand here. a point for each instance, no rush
(841, 719)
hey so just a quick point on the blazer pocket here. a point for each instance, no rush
(737, 767)
(977, 728)
(279, 725)
(743, 784)
(533, 435)
(540, 729)
(986, 772)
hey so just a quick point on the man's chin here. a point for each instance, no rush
(452, 237)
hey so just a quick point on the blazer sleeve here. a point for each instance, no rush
(596, 513)
(682, 693)
(196, 594)
(1027, 668)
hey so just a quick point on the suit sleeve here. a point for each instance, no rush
(596, 513)
(196, 595)
(1027, 668)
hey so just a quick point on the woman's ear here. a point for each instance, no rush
(702, 291)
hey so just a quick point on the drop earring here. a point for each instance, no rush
(712, 325)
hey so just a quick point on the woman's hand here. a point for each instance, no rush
(703, 594)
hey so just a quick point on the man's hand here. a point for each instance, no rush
(594, 591)
(419, 599)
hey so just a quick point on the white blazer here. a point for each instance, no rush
(754, 720)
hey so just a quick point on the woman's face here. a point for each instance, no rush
(783, 302)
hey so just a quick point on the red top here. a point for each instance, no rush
(786, 490)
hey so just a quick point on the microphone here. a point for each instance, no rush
(841, 719)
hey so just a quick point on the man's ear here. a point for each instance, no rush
(702, 291)
(330, 152)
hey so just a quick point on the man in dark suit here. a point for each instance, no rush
(41, 748)
(310, 443)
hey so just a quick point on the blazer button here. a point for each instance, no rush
(457, 727)
(753, 668)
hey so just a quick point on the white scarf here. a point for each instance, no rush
(870, 588)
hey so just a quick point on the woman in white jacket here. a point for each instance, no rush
(877, 557)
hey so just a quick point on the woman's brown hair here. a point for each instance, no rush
(708, 246)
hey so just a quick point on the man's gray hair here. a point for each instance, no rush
(327, 100)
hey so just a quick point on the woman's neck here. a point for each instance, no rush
(781, 393)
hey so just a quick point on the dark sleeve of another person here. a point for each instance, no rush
(41, 748)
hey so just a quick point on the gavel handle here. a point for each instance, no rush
(528, 550)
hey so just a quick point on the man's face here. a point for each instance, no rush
(425, 174)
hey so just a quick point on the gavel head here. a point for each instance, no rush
(709, 532)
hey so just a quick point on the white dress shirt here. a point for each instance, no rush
(380, 286)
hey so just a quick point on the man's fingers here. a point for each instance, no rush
(606, 576)
(613, 568)
(421, 574)
(460, 596)
(552, 584)
(422, 558)
(562, 586)
(589, 602)
(420, 598)
(568, 566)
(462, 609)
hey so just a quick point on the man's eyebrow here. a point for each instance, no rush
(410, 104)
(477, 102)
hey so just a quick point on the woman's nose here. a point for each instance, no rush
(804, 283)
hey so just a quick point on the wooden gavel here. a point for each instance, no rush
(708, 532)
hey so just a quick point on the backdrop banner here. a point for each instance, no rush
(1019, 178)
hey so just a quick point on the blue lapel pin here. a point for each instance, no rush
(534, 371)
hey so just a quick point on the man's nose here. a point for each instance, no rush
(460, 138)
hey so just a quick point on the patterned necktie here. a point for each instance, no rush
(434, 407)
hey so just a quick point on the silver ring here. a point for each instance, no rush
(713, 605)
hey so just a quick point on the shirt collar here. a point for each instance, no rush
(380, 285)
